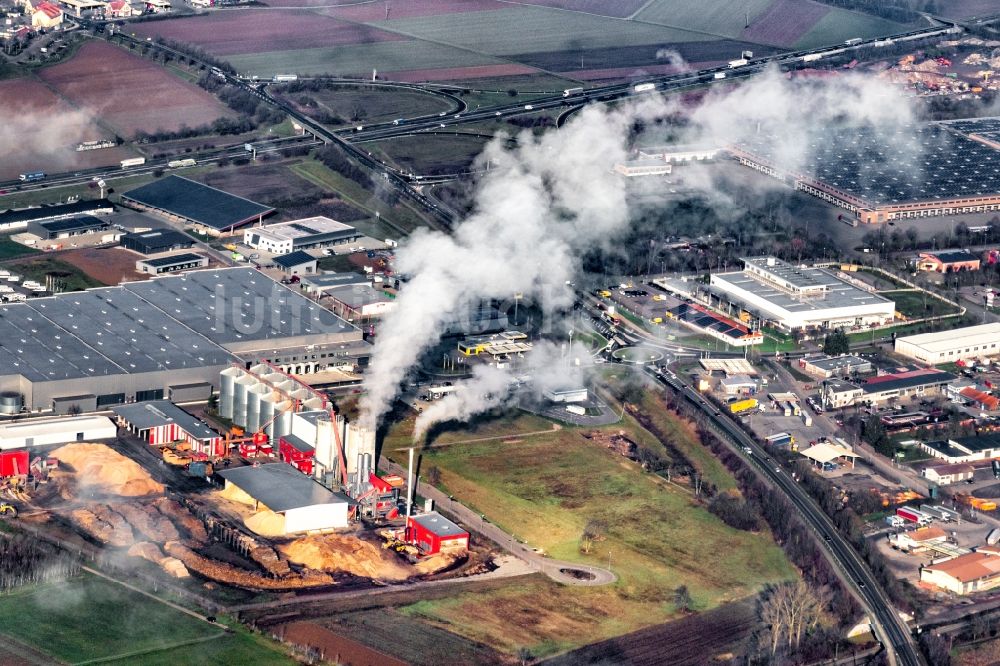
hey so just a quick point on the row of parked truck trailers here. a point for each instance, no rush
(925, 515)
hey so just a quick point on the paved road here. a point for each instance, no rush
(554, 569)
(854, 573)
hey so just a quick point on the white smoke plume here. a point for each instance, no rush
(548, 366)
(542, 205)
(553, 197)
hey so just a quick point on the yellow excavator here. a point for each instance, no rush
(8, 509)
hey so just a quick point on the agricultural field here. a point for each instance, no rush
(839, 25)
(724, 19)
(252, 31)
(618, 9)
(104, 80)
(27, 104)
(546, 486)
(89, 618)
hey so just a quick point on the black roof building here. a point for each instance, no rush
(70, 226)
(156, 241)
(292, 260)
(14, 218)
(196, 204)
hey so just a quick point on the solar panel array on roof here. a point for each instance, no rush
(905, 164)
(693, 315)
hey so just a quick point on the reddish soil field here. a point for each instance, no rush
(130, 93)
(458, 73)
(375, 11)
(618, 9)
(252, 31)
(785, 21)
(111, 265)
(334, 646)
(28, 107)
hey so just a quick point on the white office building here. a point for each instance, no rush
(800, 297)
(310, 232)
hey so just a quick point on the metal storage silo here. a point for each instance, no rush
(326, 454)
(241, 386)
(265, 410)
(283, 422)
(254, 395)
(226, 392)
(11, 402)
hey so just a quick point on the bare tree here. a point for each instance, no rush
(791, 611)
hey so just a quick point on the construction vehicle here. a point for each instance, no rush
(393, 541)
(8, 509)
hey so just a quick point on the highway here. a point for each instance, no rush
(890, 629)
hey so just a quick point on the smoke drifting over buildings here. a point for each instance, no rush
(554, 197)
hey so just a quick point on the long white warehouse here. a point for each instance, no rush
(800, 297)
(950, 346)
(41, 432)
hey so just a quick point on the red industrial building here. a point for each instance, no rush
(297, 452)
(432, 533)
(162, 422)
(948, 261)
(13, 462)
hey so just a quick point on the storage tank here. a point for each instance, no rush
(326, 454)
(283, 422)
(11, 402)
(254, 395)
(226, 392)
(265, 411)
(241, 387)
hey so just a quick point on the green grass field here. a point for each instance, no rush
(840, 25)
(378, 104)
(90, 618)
(359, 59)
(917, 304)
(527, 29)
(37, 269)
(717, 18)
(10, 249)
(432, 154)
(545, 489)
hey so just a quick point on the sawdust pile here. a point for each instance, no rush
(348, 554)
(173, 510)
(231, 575)
(104, 525)
(435, 563)
(266, 524)
(149, 522)
(99, 467)
(150, 551)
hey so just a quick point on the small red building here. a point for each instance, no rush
(432, 533)
(13, 462)
(296, 452)
(948, 261)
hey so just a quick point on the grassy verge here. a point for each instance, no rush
(73, 279)
(11, 250)
(546, 489)
(916, 304)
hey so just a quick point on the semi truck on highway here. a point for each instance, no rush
(285, 78)
(572, 91)
(32, 177)
(643, 87)
(733, 64)
(133, 161)
(176, 164)
(810, 57)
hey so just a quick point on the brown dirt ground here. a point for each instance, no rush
(111, 265)
(348, 651)
(40, 132)
(106, 81)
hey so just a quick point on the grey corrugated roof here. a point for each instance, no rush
(281, 487)
(156, 413)
(298, 443)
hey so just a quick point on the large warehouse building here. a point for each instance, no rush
(205, 209)
(144, 340)
(960, 344)
(799, 297)
(908, 171)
